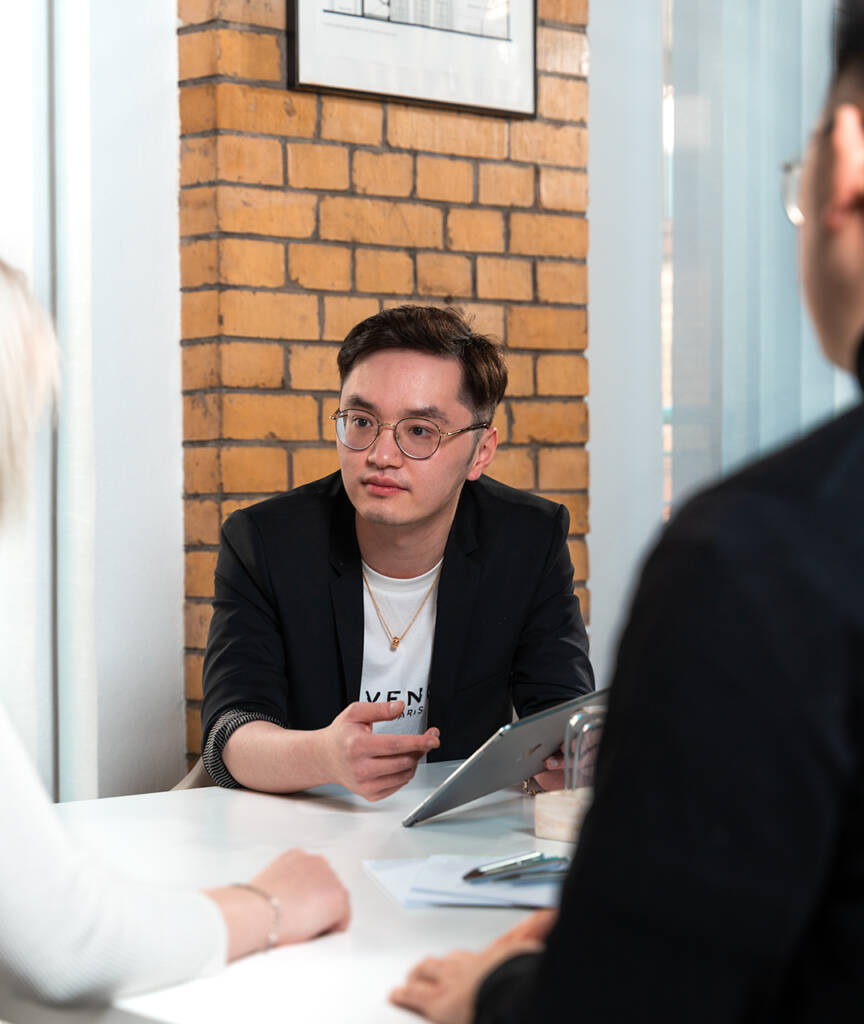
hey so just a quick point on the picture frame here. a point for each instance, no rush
(474, 54)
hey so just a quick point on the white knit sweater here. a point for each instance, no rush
(71, 932)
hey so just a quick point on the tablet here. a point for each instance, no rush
(516, 752)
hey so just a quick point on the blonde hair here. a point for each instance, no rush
(28, 378)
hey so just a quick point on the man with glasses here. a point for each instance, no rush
(403, 606)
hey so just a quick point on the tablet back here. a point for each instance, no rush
(516, 752)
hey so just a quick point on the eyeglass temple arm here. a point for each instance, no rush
(474, 426)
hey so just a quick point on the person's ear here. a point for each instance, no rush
(484, 453)
(847, 172)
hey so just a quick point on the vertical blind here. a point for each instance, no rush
(743, 83)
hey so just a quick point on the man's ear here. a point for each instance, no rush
(847, 173)
(484, 453)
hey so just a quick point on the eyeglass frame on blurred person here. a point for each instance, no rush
(791, 178)
(340, 414)
(791, 185)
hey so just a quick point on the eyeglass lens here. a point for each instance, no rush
(791, 191)
(416, 438)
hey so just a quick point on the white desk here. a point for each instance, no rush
(209, 837)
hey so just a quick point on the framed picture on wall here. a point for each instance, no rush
(468, 53)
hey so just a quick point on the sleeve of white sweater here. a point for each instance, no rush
(68, 931)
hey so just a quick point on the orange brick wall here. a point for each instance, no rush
(301, 214)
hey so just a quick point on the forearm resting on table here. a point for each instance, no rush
(248, 920)
(266, 757)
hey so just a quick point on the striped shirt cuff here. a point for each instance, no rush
(224, 727)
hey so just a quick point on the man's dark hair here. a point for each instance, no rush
(440, 332)
(849, 38)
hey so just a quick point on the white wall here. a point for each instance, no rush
(137, 410)
(137, 414)
(625, 211)
(119, 510)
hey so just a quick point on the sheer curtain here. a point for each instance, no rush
(743, 84)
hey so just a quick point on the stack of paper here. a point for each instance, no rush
(437, 881)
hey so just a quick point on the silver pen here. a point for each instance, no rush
(516, 866)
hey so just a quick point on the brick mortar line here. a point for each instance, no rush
(540, 260)
(378, 150)
(291, 288)
(409, 250)
(256, 186)
(224, 288)
(198, 27)
(577, 27)
(444, 205)
(262, 83)
(264, 187)
(319, 114)
(419, 200)
(565, 75)
(222, 79)
(385, 146)
(286, 367)
(389, 197)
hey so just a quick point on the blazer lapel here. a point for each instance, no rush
(346, 593)
(457, 596)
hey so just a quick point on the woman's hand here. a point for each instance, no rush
(312, 901)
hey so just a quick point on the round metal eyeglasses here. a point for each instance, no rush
(415, 437)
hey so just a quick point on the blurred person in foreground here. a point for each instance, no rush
(720, 873)
(69, 931)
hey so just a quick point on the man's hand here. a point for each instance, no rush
(373, 765)
(443, 989)
(553, 777)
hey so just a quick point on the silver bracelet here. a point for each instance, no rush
(273, 934)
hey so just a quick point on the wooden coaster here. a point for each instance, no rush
(558, 815)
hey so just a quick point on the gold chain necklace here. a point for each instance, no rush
(396, 640)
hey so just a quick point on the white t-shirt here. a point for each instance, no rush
(403, 673)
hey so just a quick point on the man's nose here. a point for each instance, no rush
(384, 450)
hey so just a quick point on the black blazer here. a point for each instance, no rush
(286, 639)
(719, 876)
